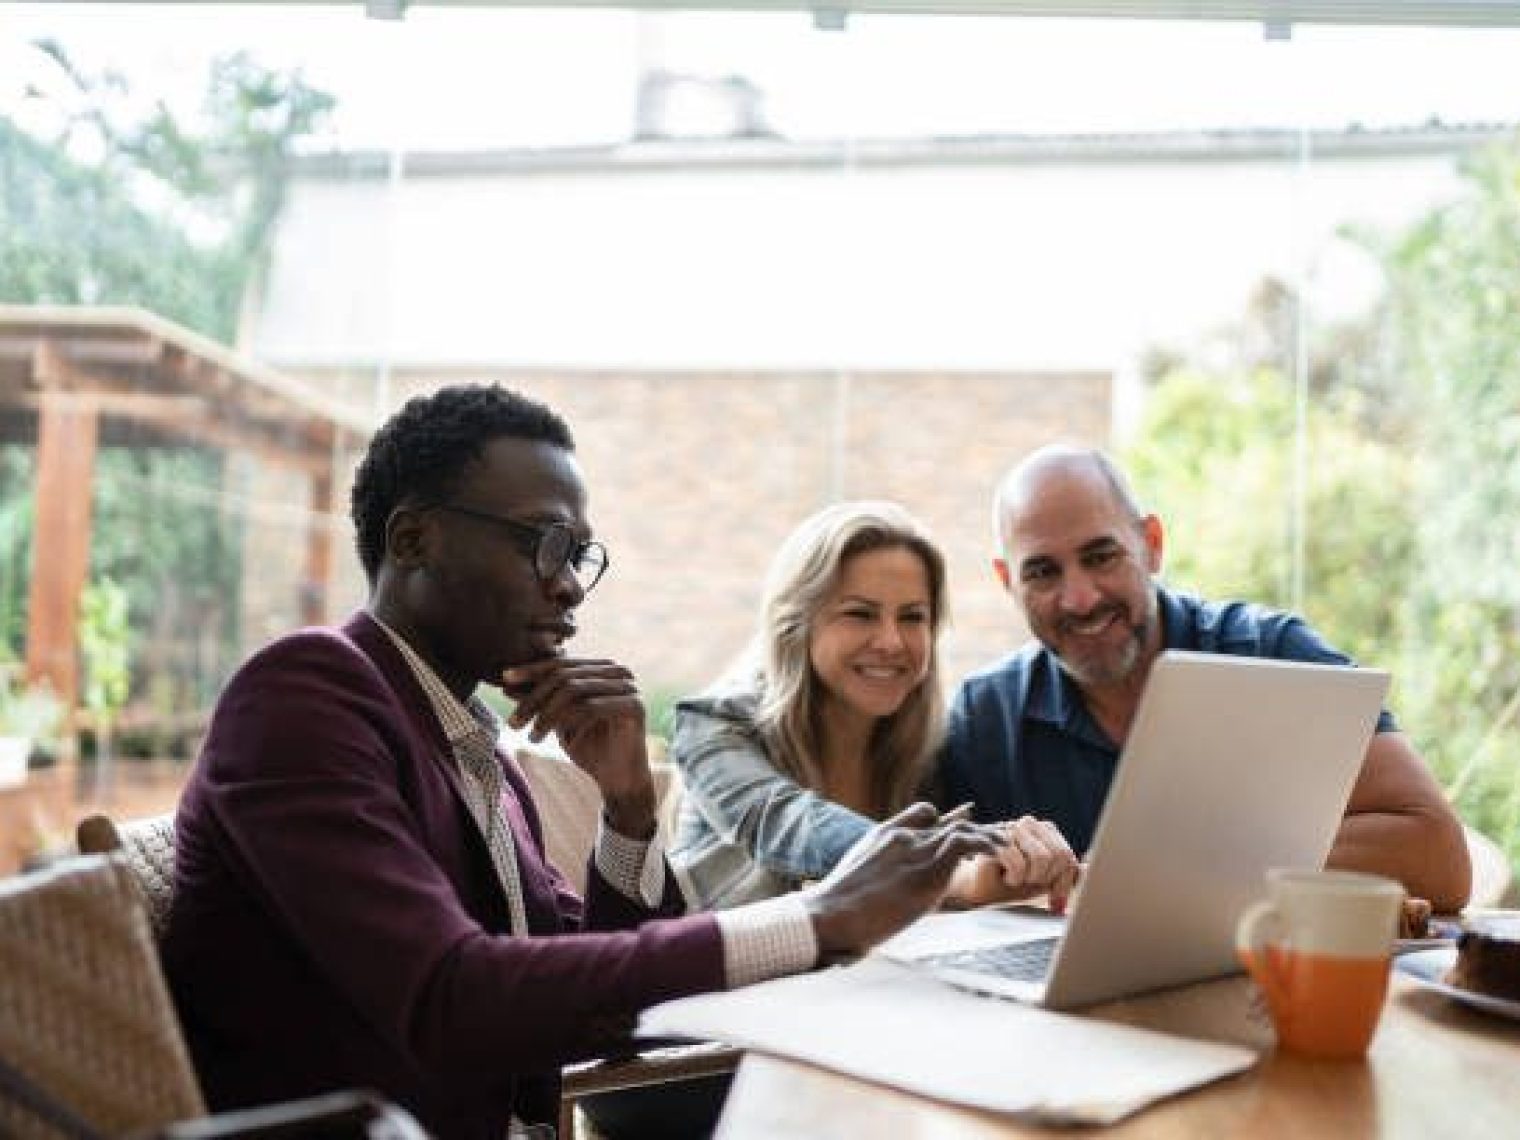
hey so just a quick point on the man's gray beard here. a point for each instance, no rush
(1111, 676)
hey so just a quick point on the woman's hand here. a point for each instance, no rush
(1035, 859)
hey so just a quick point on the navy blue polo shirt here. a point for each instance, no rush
(1021, 742)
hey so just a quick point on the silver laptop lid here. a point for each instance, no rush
(1233, 765)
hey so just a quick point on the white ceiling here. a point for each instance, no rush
(1273, 13)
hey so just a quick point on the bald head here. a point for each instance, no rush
(1077, 553)
(1060, 469)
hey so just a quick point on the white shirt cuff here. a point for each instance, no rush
(765, 940)
(634, 867)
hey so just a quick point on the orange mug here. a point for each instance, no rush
(1319, 946)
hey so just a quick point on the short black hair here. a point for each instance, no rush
(419, 454)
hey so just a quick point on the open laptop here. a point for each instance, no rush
(1233, 765)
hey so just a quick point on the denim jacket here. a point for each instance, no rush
(746, 830)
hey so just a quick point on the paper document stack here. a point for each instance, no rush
(886, 1023)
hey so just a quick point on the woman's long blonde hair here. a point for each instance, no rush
(802, 575)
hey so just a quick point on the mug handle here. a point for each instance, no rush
(1256, 935)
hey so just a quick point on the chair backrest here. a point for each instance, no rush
(568, 800)
(85, 1014)
(148, 846)
(1492, 880)
(571, 807)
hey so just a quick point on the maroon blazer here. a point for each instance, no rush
(337, 921)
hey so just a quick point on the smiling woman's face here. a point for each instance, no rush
(871, 640)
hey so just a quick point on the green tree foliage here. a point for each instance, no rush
(116, 229)
(1215, 460)
(170, 212)
(176, 554)
(1453, 323)
(104, 639)
(69, 234)
(16, 465)
(235, 165)
(1413, 502)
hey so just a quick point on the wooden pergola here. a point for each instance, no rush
(73, 378)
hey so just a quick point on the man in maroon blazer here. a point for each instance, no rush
(362, 897)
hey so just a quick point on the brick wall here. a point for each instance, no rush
(696, 478)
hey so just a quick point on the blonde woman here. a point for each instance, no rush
(830, 722)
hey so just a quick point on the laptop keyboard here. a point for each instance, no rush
(1018, 961)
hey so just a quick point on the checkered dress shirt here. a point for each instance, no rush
(472, 731)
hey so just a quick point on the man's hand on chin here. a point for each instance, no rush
(594, 708)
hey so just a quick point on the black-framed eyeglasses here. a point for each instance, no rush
(552, 547)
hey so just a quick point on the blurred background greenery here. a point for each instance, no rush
(1412, 549)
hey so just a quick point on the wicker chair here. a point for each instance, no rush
(147, 845)
(84, 1011)
(570, 805)
(89, 1043)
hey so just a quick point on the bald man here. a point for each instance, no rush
(1040, 732)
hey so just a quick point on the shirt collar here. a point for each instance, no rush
(460, 720)
(1178, 621)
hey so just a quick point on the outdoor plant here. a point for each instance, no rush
(29, 719)
(29, 711)
(104, 649)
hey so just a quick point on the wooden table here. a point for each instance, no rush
(1436, 1069)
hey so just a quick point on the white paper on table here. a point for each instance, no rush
(887, 1023)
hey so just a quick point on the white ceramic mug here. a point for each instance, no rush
(1320, 946)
